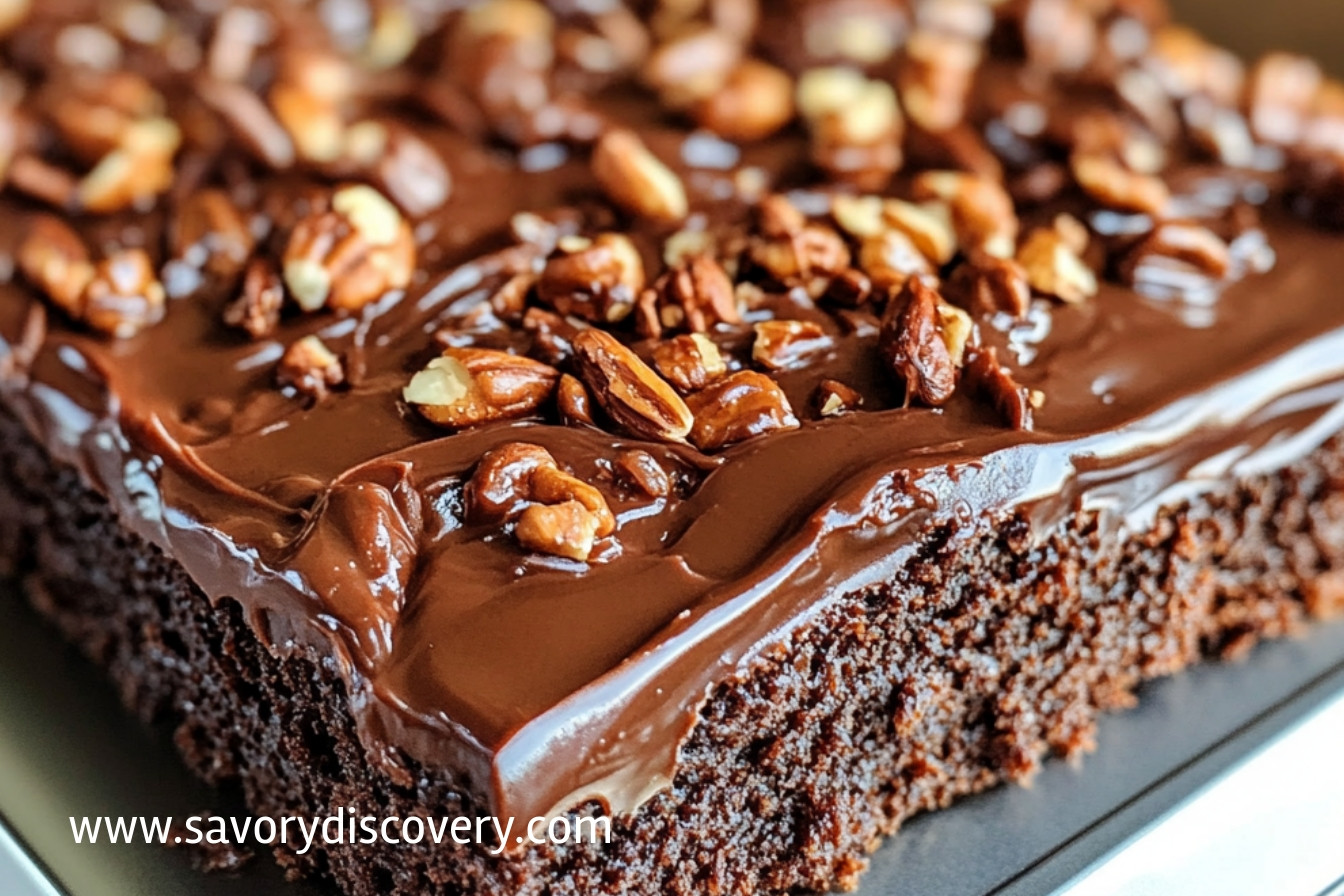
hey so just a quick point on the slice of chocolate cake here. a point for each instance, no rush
(755, 423)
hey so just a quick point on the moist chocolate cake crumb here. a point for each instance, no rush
(976, 659)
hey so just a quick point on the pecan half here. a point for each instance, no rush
(786, 344)
(1177, 258)
(631, 393)
(470, 386)
(890, 258)
(689, 362)
(401, 164)
(566, 529)
(349, 255)
(552, 335)
(636, 180)
(597, 279)
(754, 101)
(738, 407)
(855, 122)
(917, 344)
(501, 484)
(310, 369)
(1114, 185)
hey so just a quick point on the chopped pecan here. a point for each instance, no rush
(694, 296)
(210, 234)
(982, 210)
(257, 307)
(566, 529)
(42, 180)
(631, 393)
(470, 386)
(55, 259)
(556, 512)
(935, 78)
(314, 122)
(856, 125)
(691, 66)
(509, 302)
(986, 284)
(401, 164)
(737, 407)
(350, 255)
(137, 170)
(850, 288)
(640, 470)
(921, 343)
(1280, 94)
(793, 253)
(125, 295)
(689, 363)
(572, 402)
(833, 398)
(1054, 269)
(598, 279)
(786, 344)
(1112, 184)
(987, 380)
(552, 335)
(251, 123)
(1177, 257)
(636, 180)
(754, 101)
(891, 258)
(501, 484)
(310, 369)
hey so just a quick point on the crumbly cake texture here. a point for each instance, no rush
(757, 421)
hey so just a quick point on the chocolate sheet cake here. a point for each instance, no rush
(756, 422)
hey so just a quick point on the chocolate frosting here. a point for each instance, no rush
(542, 683)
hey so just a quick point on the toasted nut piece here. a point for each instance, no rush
(792, 251)
(957, 330)
(785, 344)
(257, 307)
(501, 485)
(470, 386)
(834, 398)
(935, 78)
(314, 123)
(1054, 269)
(551, 485)
(125, 295)
(1280, 94)
(1323, 596)
(1110, 183)
(636, 180)
(598, 280)
(859, 216)
(405, 167)
(691, 66)
(351, 255)
(987, 380)
(914, 345)
(309, 368)
(982, 210)
(509, 302)
(631, 393)
(928, 224)
(250, 121)
(55, 259)
(986, 284)
(850, 288)
(738, 407)
(1188, 65)
(566, 530)
(891, 258)
(210, 234)
(855, 122)
(640, 470)
(754, 101)
(43, 181)
(138, 170)
(694, 295)
(777, 216)
(689, 363)
(1177, 258)
(572, 402)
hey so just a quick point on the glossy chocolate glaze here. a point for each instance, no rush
(546, 683)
